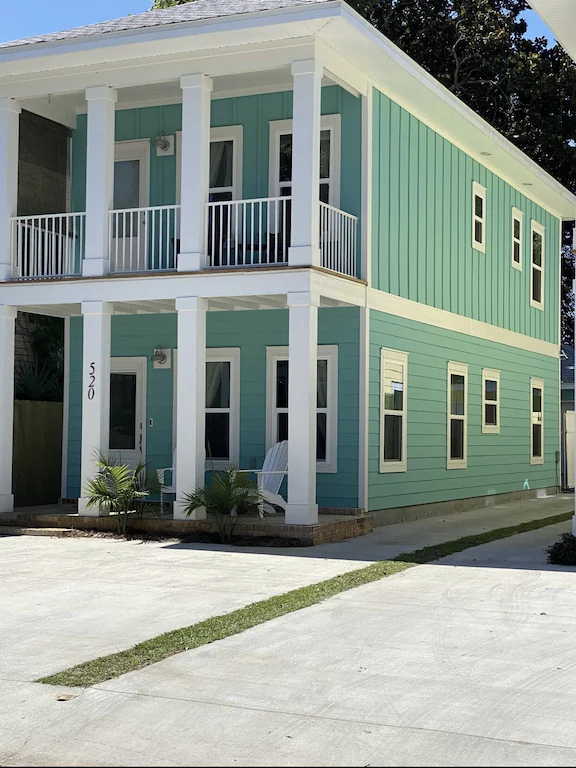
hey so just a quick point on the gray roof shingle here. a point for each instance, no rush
(192, 11)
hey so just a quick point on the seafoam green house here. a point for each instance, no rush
(280, 226)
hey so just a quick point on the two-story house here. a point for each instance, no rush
(282, 227)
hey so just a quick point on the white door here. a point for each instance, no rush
(128, 410)
(129, 236)
(569, 423)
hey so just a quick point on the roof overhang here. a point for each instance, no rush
(354, 51)
(560, 17)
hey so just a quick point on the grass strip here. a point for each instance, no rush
(218, 627)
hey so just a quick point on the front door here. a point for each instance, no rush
(127, 410)
(129, 236)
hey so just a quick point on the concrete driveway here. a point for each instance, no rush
(470, 661)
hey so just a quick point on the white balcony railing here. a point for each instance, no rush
(50, 245)
(144, 239)
(338, 240)
(243, 233)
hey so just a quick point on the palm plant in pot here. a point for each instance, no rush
(228, 495)
(122, 490)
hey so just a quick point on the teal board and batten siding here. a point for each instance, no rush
(422, 229)
(497, 463)
(252, 332)
(254, 114)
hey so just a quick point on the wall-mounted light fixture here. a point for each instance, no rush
(164, 144)
(159, 357)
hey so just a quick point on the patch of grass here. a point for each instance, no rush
(218, 627)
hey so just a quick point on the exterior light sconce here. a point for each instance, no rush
(161, 358)
(164, 144)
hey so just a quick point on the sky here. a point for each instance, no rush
(26, 18)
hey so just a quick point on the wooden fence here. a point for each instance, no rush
(37, 453)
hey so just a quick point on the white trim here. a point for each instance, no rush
(440, 318)
(139, 366)
(478, 191)
(536, 227)
(457, 369)
(395, 356)
(327, 352)
(517, 215)
(363, 410)
(65, 409)
(281, 127)
(366, 202)
(233, 133)
(217, 354)
(490, 375)
(137, 149)
(536, 384)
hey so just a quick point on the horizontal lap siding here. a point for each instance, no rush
(252, 332)
(422, 229)
(496, 463)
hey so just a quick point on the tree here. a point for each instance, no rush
(479, 50)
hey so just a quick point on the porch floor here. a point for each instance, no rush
(330, 527)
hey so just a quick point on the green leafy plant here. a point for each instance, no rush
(33, 381)
(563, 551)
(122, 491)
(228, 495)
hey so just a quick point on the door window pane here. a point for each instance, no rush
(322, 386)
(392, 437)
(217, 436)
(217, 385)
(324, 193)
(221, 159)
(456, 439)
(123, 411)
(126, 184)
(457, 395)
(325, 154)
(321, 425)
(282, 384)
(285, 170)
(282, 426)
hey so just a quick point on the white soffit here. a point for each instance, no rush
(560, 17)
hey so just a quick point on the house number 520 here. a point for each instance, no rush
(92, 381)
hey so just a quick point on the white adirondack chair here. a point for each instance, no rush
(271, 475)
(162, 474)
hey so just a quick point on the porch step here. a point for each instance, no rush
(17, 530)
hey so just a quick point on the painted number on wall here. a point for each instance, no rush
(92, 382)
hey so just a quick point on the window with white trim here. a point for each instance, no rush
(537, 265)
(490, 401)
(280, 181)
(393, 410)
(517, 220)
(225, 163)
(457, 416)
(222, 406)
(277, 375)
(536, 421)
(478, 217)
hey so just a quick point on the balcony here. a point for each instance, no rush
(238, 234)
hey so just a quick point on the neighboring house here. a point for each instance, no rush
(311, 237)
(568, 421)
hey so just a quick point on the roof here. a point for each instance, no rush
(191, 11)
(560, 18)
(567, 361)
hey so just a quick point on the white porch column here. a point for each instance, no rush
(95, 392)
(9, 126)
(191, 402)
(99, 177)
(305, 228)
(195, 170)
(302, 369)
(7, 328)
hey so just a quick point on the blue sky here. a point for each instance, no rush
(25, 18)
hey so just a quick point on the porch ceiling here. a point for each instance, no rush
(223, 304)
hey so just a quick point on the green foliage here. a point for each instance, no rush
(41, 377)
(563, 551)
(158, 4)
(228, 495)
(33, 381)
(121, 490)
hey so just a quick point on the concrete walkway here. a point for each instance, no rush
(64, 601)
(470, 661)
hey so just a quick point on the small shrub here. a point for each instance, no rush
(563, 551)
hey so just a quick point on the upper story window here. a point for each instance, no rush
(393, 411)
(479, 217)
(537, 265)
(457, 416)
(517, 220)
(225, 163)
(280, 182)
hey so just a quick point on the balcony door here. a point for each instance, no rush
(128, 410)
(129, 238)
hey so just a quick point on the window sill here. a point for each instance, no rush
(488, 430)
(537, 305)
(457, 464)
(536, 461)
(386, 469)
